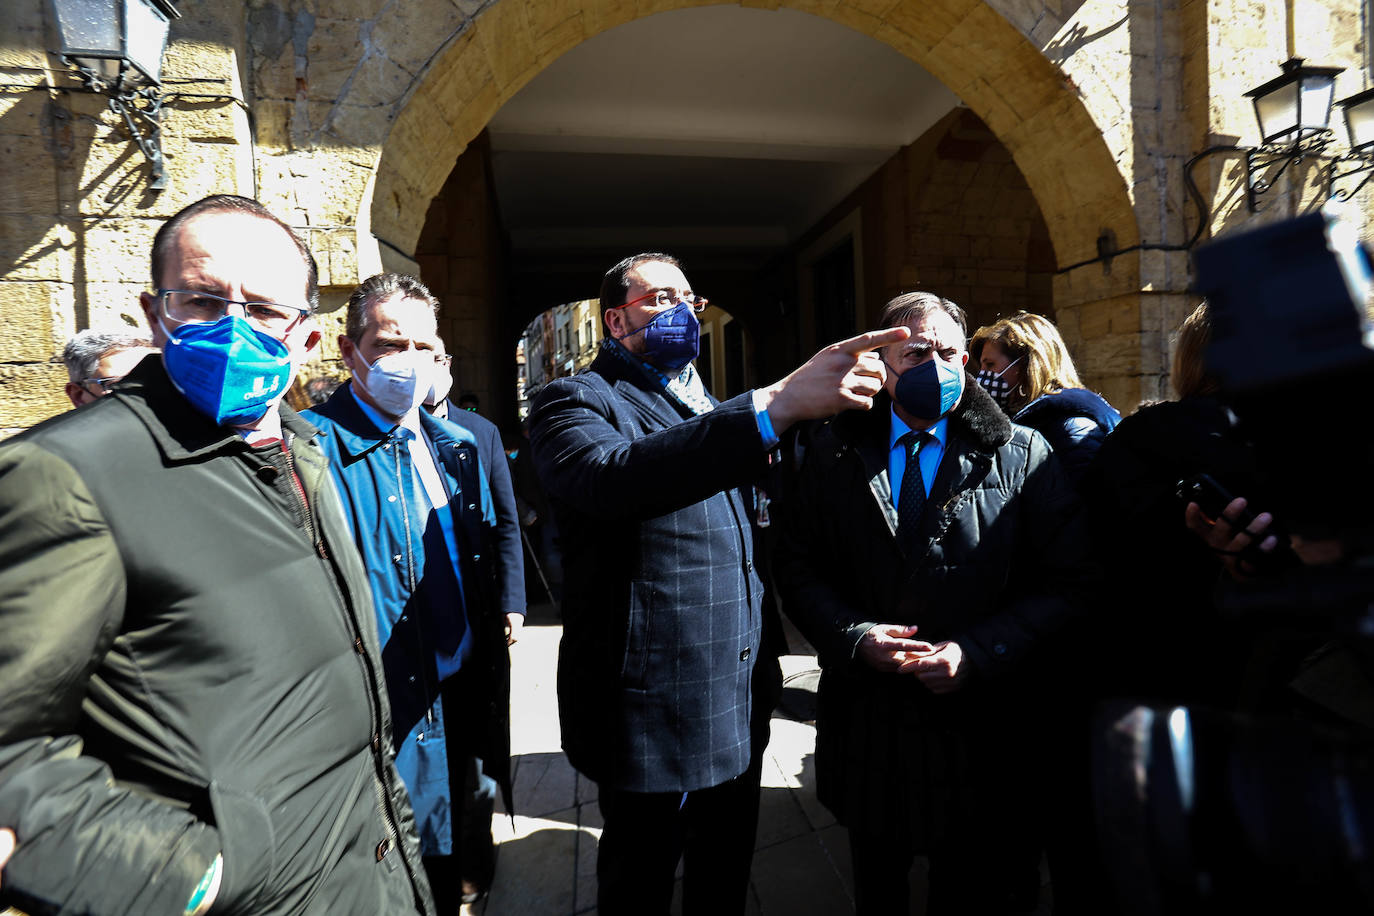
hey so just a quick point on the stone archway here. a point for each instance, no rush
(1036, 109)
(1044, 76)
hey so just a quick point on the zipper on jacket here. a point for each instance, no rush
(312, 530)
(374, 694)
(379, 781)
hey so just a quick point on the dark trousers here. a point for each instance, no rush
(997, 877)
(472, 799)
(474, 853)
(645, 834)
(445, 882)
(476, 846)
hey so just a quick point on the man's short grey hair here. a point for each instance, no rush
(905, 308)
(380, 288)
(84, 351)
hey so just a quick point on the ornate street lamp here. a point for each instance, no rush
(1359, 120)
(1294, 115)
(116, 46)
(1359, 124)
(1297, 105)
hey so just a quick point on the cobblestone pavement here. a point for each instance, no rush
(546, 863)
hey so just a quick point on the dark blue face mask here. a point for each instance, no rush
(227, 369)
(672, 339)
(930, 390)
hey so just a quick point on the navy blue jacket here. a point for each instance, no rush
(423, 609)
(1074, 421)
(662, 606)
(505, 543)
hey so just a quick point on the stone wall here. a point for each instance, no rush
(951, 213)
(460, 258)
(345, 116)
(974, 231)
(76, 214)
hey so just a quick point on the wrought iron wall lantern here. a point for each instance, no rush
(1294, 115)
(116, 46)
(1359, 125)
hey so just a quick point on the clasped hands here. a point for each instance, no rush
(938, 665)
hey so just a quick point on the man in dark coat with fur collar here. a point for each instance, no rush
(930, 551)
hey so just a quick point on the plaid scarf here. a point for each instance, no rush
(686, 387)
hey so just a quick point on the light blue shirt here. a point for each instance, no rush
(426, 497)
(928, 457)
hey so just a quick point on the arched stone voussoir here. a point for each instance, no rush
(990, 57)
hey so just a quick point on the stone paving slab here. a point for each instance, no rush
(546, 856)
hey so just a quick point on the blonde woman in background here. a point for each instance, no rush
(1023, 363)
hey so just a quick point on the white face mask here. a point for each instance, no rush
(398, 382)
(439, 384)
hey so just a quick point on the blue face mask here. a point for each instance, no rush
(930, 390)
(227, 369)
(672, 339)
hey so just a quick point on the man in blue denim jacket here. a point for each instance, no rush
(422, 516)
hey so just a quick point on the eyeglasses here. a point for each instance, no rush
(186, 306)
(664, 298)
(444, 359)
(104, 384)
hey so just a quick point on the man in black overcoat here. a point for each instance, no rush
(478, 847)
(664, 654)
(933, 584)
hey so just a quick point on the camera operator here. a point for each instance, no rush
(1262, 800)
(1137, 522)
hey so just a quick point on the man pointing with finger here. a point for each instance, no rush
(662, 662)
(932, 552)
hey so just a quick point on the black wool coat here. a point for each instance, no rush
(662, 665)
(510, 554)
(1164, 577)
(1000, 568)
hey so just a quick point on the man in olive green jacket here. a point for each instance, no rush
(194, 712)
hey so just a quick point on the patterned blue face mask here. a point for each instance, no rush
(672, 339)
(930, 390)
(227, 369)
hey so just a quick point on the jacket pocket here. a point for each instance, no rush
(634, 668)
(248, 844)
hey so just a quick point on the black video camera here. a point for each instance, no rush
(1293, 348)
